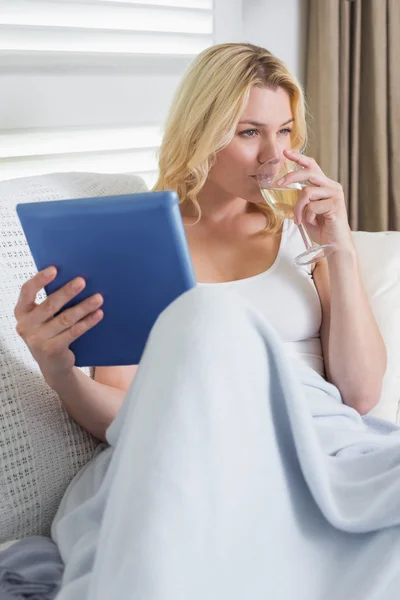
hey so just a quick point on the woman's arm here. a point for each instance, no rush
(354, 351)
(94, 404)
(353, 348)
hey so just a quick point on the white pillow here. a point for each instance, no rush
(41, 448)
(380, 264)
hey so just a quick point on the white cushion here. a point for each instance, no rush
(41, 448)
(380, 264)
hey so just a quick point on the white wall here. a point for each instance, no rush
(228, 21)
(280, 26)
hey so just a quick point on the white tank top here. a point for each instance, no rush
(286, 295)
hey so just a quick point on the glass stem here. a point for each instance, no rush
(304, 235)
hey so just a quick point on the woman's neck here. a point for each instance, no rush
(216, 205)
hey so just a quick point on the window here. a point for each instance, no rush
(86, 83)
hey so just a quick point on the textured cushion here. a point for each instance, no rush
(380, 263)
(41, 448)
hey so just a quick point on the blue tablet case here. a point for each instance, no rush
(131, 248)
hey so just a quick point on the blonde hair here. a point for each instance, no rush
(205, 112)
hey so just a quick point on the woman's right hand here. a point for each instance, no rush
(48, 337)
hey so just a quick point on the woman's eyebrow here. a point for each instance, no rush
(258, 124)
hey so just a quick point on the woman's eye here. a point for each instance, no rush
(248, 132)
(285, 131)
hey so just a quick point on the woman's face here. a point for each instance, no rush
(262, 134)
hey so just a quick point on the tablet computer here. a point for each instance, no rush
(131, 248)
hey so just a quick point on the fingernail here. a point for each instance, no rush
(49, 272)
(280, 181)
(77, 284)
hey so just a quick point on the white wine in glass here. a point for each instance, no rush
(282, 201)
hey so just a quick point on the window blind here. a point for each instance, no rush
(59, 37)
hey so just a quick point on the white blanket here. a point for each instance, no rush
(233, 473)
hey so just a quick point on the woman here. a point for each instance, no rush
(219, 472)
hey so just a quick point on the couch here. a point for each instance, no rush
(41, 447)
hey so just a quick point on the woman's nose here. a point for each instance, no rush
(269, 154)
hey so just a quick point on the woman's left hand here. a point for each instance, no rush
(321, 206)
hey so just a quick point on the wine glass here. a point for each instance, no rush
(282, 200)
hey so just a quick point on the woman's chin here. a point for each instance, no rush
(254, 195)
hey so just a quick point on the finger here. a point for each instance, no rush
(68, 318)
(314, 195)
(302, 176)
(318, 207)
(29, 290)
(309, 216)
(311, 173)
(60, 342)
(55, 301)
(304, 161)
